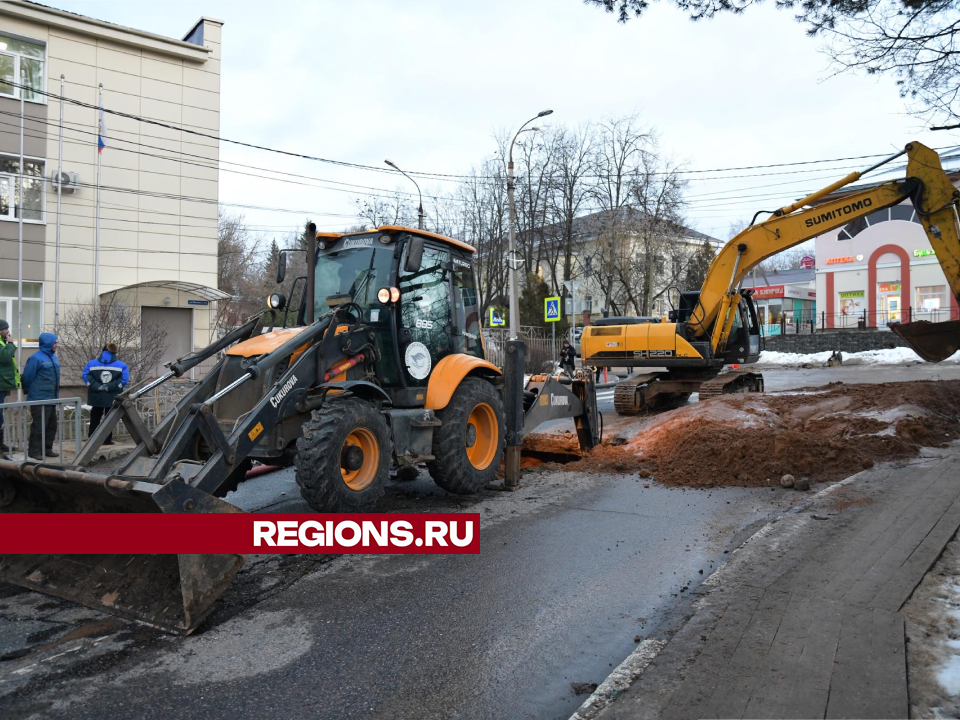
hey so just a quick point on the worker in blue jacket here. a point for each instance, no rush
(41, 381)
(105, 377)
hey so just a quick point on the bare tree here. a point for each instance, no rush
(657, 197)
(141, 345)
(483, 199)
(378, 210)
(240, 269)
(573, 160)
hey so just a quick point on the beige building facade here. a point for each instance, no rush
(158, 182)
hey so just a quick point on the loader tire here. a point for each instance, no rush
(468, 445)
(343, 456)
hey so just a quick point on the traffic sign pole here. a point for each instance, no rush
(551, 314)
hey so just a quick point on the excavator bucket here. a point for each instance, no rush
(934, 342)
(171, 592)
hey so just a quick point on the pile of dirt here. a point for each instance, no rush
(824, 434)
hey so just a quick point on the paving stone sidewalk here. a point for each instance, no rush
(804, 620)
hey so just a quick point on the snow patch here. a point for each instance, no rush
(948, 676)
(886, 356)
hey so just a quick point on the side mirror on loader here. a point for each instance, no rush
(414, 255)
(281, 267)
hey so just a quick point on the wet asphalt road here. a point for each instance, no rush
(573, 568)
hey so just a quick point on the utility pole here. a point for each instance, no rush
(19, 198)
(513, 262)
(420, 208)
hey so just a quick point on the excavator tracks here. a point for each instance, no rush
(735, 381)
(628, 395)
(659, 391)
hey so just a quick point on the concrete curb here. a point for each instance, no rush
(620, 679)
(633, 666)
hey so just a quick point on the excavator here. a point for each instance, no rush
(379, 366)
(717, 326)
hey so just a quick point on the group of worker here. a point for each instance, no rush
(105, 377)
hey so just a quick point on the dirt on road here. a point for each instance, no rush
(823, 434)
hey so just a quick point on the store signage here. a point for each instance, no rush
(889, 287)
(924, 253)
(842, 259)
(807, 262)
(769, 291)
(851, 302)
(783, 291)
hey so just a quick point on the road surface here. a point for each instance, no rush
(573, 569)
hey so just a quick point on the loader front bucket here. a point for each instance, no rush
(171, 592)
(934, 342)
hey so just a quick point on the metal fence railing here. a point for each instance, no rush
(19, 416)
(73, 417)
(540, 350)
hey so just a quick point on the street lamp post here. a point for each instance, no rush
(512, 260)
(420, 208)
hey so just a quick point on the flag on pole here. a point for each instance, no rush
(101, 129)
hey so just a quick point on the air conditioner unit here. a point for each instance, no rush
(68, 182)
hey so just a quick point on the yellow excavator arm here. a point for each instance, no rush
(926, 184)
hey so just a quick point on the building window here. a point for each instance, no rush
(588, 264)
(587, 303)
(17, 55)
(897, 212)
(931, 298)
(32, 189)
(32, 309)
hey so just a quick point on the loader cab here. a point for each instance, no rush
(417, 292)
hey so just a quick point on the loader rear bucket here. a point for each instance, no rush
(934, 342)
(171, 592)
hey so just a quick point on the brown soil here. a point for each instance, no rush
(824, 434)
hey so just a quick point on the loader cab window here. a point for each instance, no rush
(466, 308)
(359, 268)
(425, 315)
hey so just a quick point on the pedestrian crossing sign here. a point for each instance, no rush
(496, 318)
(551, 309)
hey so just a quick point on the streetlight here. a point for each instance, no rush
(420, 209)
(512, 261)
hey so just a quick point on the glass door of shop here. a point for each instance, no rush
(889, 306)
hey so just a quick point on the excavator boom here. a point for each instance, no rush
(926, 185)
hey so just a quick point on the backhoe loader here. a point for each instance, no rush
(384, 368)
(716, 326)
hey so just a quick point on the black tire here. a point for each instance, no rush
(325, 482)
(452, 468)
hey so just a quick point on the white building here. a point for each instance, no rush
(881, 268)
(159, 188)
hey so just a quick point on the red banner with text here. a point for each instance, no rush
(238, 533)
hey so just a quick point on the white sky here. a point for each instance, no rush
(426, 83)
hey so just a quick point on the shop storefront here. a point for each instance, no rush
(786, 303)
(881, 269)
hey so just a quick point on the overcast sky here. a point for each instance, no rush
(426, 83)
